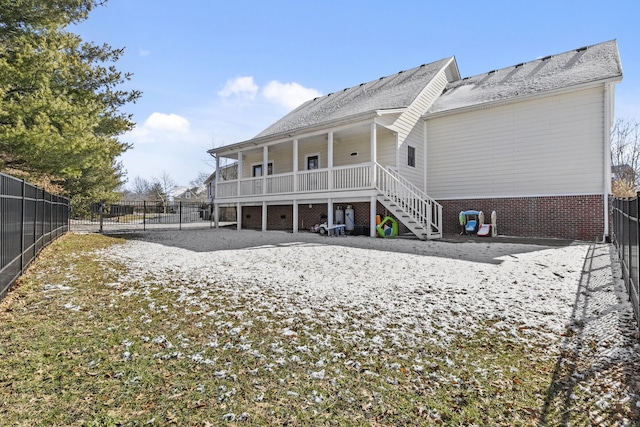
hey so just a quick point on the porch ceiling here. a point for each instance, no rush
(360, 129)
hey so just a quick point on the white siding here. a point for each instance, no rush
(386, 148)
(410, 132)
(306, 148)
(548, 146)
(253, 158)
(343, 148)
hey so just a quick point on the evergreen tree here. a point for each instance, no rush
(60, 99)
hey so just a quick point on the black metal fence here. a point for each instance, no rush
(30, 218)
(140, 215)
(626, 237)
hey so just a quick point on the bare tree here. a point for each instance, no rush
(162, 187)
(199, 180)
(228, 169)
(140, 188)
(625, 157)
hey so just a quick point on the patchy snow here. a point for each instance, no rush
(595, 63)
(395, 91)
(402, 292)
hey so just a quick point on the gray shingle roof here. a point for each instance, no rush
(395, 91)
(584, 65)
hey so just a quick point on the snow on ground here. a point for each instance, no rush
(405, 291)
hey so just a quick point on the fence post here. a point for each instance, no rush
(144, 215)
(50, 218)
(22, 225)
(101, 209)
(180, 216)
(35, 223)
(636, 278)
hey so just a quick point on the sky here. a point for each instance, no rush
(214, 72)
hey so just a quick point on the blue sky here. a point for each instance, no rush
(219, 72)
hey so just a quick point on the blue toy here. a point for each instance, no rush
(470, 220)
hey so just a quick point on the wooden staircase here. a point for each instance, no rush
(421, 214)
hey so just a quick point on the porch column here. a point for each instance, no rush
(295, 167)
(239, 216)
(329, 212)
(216, 215)
(215, 192)
(240, 161)
(295, 216)
(374, 155)
(265, 164)
(264, 216)
(330, 162)
(215, 185)
(372, 221)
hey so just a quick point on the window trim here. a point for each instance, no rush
(411, 160)
(306, 160)
(253, 169)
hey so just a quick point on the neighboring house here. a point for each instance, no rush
(188, 194)
(529, 141)
(227, 173)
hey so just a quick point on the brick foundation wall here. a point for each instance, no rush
(565, 217)
(280, 217)
(252, 217)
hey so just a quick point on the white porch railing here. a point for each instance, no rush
(277, 184)
(227, 189)
(343, 177)
(352, 177)
(313, 180)
(251, 186)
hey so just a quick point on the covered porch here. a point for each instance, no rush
(354, 163)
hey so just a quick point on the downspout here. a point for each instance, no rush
(608, 123)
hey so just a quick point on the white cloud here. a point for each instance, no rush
(159, 127)
(143, 52)
(289, 95)
(166, 123)
(240, 86)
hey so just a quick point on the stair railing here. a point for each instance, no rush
(415, 202)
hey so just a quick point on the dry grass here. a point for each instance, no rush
(79, 350)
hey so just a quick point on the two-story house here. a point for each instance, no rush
(529, 141)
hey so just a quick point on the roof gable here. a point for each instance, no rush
(390, 92)
(585, 65)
